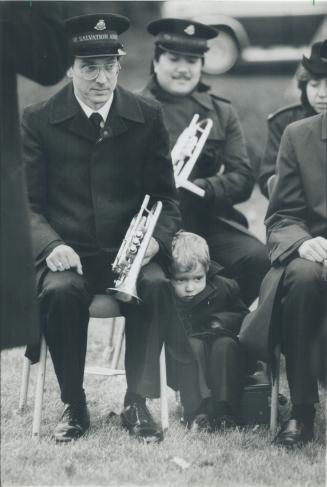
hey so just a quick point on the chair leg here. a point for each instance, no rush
(39, 390)
(274, 393)
(163, 390)
(24, 385)
(119, 343)
(109, 350)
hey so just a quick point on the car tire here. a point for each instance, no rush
(222, 55)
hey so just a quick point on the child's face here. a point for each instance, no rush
(189, 284)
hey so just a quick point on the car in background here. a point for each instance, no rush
(252, 32)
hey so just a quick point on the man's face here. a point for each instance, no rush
(188, 284)
(317, 94)
(95, 79)
(178, 74)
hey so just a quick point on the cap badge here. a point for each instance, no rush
(190, 30)
(101, 25)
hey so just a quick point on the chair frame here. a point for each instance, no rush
(112, 371)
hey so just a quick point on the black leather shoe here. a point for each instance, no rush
(294, 433)
(200, 422)
(74, 422)
(137, 419)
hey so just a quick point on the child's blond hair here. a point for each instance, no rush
(188, 250)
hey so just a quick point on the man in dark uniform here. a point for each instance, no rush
(223, 169)
(92, 152)
(312, 82)
(293, 296)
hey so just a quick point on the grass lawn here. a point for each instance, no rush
(108, 456)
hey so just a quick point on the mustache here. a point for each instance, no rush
(186, 77)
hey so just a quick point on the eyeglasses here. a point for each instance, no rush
(92, 71)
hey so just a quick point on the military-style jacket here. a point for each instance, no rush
(84, 191)
(277, 122)
(223, 163)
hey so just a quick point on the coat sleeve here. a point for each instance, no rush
(37, 46)
(276, 127)
(286, 214)
(44, 237)
(159, 183)
(235, 310)
(235, 184)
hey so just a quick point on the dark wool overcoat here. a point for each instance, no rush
(277, 123)
(223, 161)
(33, 44)
(84, 191)
(218, 304)
(297, 212)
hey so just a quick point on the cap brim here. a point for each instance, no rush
(85, 56)
(181, 53)
(320, 70)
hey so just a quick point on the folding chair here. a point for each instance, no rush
(102, 306)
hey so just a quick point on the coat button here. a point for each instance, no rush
(105, 133)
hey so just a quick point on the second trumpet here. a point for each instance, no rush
(186, 151)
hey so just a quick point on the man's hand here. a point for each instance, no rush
(314, 249)
(151, 251)
(63, 258)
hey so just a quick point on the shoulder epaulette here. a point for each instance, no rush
(284, 110)
(220, 98)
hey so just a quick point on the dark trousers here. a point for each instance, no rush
(219, 374)
(303, 311)
(244, 257)
(64, 299)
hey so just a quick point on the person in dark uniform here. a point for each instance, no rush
(223, 169)
(292, 306)
(33, 43)
(210, 312)
(92, 152)
(312, 82)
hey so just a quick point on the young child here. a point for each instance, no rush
(211, 312)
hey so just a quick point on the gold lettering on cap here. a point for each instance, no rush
(101, 25)
(190, 30)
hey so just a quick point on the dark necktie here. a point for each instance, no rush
(97, 121)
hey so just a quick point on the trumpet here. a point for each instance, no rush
(187, 150)
(128, 262)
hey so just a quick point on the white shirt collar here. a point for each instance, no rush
(104, 110)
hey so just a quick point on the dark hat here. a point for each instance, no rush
(96, 35)
(182, 36)
(316, 64)
(323, 51)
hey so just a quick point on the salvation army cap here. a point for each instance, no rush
(316, 64)
(182, 36)
(96, 35)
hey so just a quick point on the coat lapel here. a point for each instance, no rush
(66, 109)
(125, 108)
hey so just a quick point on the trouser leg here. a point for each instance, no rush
(145, 331)
(64, 302)
(244, 257)
(226, 371)
(303, 311)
